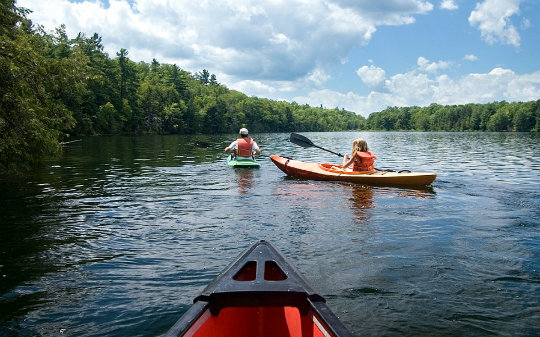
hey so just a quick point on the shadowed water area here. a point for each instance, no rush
(120, 234)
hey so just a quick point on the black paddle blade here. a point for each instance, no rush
(300, 140)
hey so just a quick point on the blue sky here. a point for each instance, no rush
(361, 55)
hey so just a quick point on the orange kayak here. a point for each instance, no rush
(326, 171)
(259, 294)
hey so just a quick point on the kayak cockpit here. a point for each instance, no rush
(340, 170)
(237, 161)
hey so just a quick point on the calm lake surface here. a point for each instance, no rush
(119, 235)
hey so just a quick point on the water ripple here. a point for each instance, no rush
(119, 236)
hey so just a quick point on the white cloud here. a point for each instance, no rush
(421, 89)
(492, 17)
(371, 75)
(255, 88)
(287, 47)
(388, 12)
(449, 5)
(470, 57)
(280, 40)
(431, 67)
(525, 24)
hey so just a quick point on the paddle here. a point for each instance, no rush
(305, 142)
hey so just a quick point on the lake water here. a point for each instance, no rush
(119, 235)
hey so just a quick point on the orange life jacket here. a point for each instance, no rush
(368, 161)
(245, 147)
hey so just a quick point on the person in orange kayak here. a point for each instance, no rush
(361, 158)
(244, 146)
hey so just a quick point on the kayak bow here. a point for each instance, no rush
(242, 162)
(259, 294)
(325, 171)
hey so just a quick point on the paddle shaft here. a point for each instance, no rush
(322, 148)
(306, 142)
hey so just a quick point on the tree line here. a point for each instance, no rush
(54, 89)
(496, 116)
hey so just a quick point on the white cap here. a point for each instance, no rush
(243, 131)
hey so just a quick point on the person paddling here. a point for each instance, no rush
(361, 158)
(244, 146)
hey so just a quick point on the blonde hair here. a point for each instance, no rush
(359, 144)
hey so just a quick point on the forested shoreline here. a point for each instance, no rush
(496, 116)
(55, 89)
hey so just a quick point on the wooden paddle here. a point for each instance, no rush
(305, 142)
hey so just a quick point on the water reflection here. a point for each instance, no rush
(424, 192)
(362, 196)
(244, 178)
(362, 200)
(123, 228)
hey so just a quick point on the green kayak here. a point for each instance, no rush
(242, 162)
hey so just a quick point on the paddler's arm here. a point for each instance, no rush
(231, 147)
(257, 149)
(350, 161)
(347, 163)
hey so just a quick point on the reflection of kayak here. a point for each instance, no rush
(324, 171)
(259, 294)
(242, 162)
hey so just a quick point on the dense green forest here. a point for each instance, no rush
(55, 89)
(497, 116)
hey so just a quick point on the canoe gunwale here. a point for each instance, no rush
(188, 319)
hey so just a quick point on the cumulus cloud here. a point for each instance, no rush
(492, 17)
(525, 24)
(388, 12)
(470, 57)
(255, 88)
(280, 40)
(417, 88)
(432, 67)
(280, 47)
(448, 5)
(371, 75)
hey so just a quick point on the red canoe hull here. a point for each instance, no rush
(259, 321)
(259, 294)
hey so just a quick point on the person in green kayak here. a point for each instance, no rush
(244, 146)
(361, 158)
